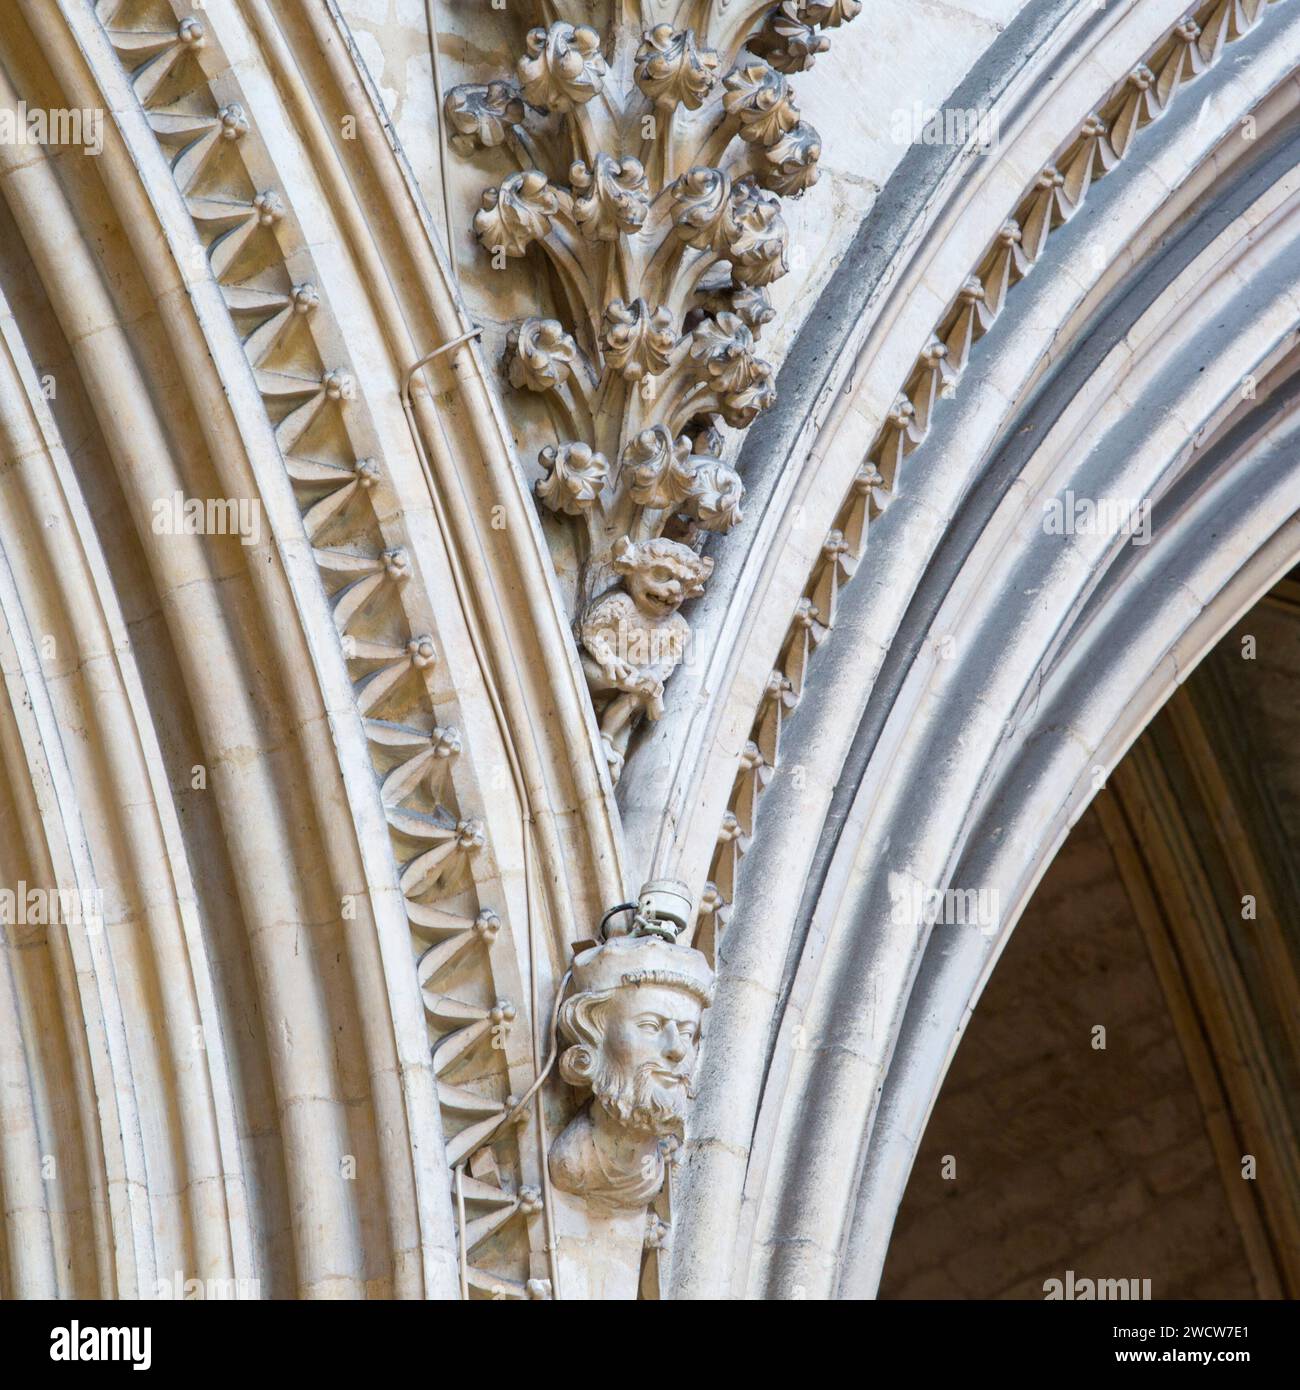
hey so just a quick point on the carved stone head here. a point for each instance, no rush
(660, 575)
(633, 1025)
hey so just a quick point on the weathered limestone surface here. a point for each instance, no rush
(425, 581)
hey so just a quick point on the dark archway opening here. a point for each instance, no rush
(1170, 919)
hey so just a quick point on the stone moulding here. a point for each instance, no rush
(449, 884)
(904, 773)
(651, 164)
(1104, 139)
(236, 316)
(114, 880)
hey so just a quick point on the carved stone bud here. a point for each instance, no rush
(1051, 179)
(669, 476)
(788, 39)
(672, 70)
(446, 743)
(638, 341)
(741, 408)
(702, 209)
(234, 124)
(704, 438)
(487, 925)
(305, 298)
(269, 208)
(609, 199)
(710, 899)
(541, 354)
(479, 116)
(749, 302)
(759, 236)
(790, 166)
(833, 13)
(423, 652)
(661, 471)
(563, 67)
(575, 474)
(723, 350)
(740, 222)
(716, 493)
(657, 1235)
(759, 97)
(516, 214)
(338, 385)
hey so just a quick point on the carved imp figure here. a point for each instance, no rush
(633, 1020)
(634, 638)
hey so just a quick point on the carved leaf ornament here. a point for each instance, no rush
(655, 198)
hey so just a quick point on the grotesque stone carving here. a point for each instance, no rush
(632, 1023)
(634, 638)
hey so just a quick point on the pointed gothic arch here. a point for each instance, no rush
(1157, 370)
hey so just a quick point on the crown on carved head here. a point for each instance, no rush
(627, 961)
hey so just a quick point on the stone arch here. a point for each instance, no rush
(295, 1015)
(340, 787)
(960, 761)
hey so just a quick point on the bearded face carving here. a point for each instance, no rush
(633, 1025)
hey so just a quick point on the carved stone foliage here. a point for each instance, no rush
(632, 1029)
(652, 161)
